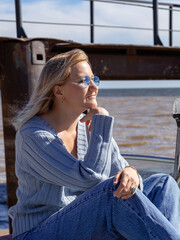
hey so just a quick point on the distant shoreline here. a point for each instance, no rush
(170, 92)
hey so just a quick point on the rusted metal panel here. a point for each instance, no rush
(19, 69)
(128, 62)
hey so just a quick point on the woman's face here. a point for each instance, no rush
(74, 92)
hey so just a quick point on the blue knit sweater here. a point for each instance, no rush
(49, 177)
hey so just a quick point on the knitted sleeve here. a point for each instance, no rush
(44, 157)
(118, 162)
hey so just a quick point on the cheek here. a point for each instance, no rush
(77, 91)
(78, 88)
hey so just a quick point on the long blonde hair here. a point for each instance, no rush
(55, 72)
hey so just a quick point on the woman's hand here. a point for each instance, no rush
(129, 182)
(88, 117)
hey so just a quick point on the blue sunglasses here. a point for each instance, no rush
(86, 80)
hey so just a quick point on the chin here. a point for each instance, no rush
(93, 105)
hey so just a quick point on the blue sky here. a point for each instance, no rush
(77, 11)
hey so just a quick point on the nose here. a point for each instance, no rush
(93, 85)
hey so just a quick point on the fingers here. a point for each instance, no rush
(123, 188)
(127, 196)
(130, 193)
(88, 117)
(117, 178)
(92, 111)
(128, 183)
(125, 192)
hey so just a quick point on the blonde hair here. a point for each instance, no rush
(55, 72)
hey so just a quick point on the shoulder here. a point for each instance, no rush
(36, 126)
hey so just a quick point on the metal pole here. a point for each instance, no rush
(19, 27)
(170, 25)
(157, 40)
(177, 156)
(92, 20)
(176, 116)
(155, 21)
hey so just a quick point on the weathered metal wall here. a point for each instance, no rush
(128, 62)
(20, 65)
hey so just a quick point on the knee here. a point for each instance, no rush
(167, 185)
(165, 178)
(159, 179)
(168, 179)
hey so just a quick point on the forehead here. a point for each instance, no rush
(81, 68)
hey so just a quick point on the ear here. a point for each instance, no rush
(57, 91)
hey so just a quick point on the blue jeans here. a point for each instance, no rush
(97, 215)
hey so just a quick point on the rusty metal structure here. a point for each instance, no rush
(19, 68)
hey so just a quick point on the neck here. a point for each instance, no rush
(62, 119)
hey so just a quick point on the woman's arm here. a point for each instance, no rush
(118, 163)
(117, 160)
(44, 157)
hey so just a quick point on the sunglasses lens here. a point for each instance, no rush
(86, 81)
(96, 80)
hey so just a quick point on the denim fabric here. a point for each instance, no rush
(97, 215)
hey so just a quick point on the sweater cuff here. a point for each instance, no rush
(102, 125)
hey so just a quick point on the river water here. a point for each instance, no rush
(143, 124)
(143, 121)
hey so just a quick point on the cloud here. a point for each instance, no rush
(53, 11)
(121, 15)
(78, 12)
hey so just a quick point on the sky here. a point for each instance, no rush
(78, 12)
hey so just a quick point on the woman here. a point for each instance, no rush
(65, 163)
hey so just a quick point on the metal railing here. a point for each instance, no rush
(154, 5)
(146, 4)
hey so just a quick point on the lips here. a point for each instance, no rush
(91, 96)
